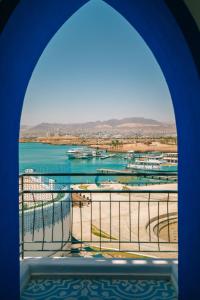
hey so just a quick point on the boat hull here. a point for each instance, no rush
(167, 169)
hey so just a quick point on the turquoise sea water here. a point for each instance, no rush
(53, 158)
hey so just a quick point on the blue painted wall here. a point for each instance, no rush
(28, 30)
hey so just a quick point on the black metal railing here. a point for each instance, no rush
(68, 213)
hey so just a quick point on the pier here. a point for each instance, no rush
(112, 171)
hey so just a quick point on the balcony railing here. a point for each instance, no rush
(116, 214)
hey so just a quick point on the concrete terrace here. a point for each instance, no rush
(129, 222)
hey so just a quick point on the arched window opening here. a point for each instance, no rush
(98, 145)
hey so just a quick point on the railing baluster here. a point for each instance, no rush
(130, 216)
(168, 229)
(139, 225)
(100, 221)
(22, 216)
(43, 226)
(72, 216)
(119, 227)
(91, 207)
(110, 217)
(52, 229)
(33, 232)
(80, 205)
(62, 228)
(72, 221)
(158, 232)
(149, 217)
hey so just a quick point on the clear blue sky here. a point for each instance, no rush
(96, 67)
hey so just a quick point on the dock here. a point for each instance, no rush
(163, 177)
(111, 171)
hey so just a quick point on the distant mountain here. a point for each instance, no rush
(124, 127)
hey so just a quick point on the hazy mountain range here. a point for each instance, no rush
(124, 127)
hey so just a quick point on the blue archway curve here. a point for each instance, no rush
(26, 34)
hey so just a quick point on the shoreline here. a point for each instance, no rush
(126, 145)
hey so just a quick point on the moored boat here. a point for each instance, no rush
(171, 157)
(82, 153)
(76, 153)
(107, 156)
(152, 165)
(130, 155)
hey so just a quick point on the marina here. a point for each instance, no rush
(62, 158)
(144, 162)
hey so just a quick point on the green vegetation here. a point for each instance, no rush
(168, 140)
(96, 231)
(125, 188)
(116, 144)
(126, 179)
(107, 253)
(83, 186)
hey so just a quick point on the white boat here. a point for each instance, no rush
(171, 157)
(151, 157)
(152, 165)
(82, 153)
(75, 150)
(130, 155)
(107, 156)
(76, 153)
(97, 153)
(171, 154)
